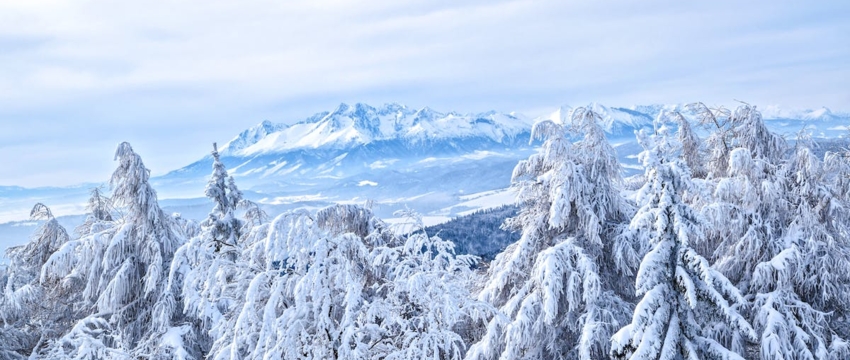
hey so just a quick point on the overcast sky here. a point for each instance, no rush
(78, 77)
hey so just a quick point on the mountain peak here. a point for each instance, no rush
(341, 108)
(353, 125)
(392, 108)
(251, 135)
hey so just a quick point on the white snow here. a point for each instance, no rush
(483, 201)
(428, 220)
(281, 200)
(346, 127)
(380, 164)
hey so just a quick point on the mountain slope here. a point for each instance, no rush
(396, 155)
(350, 126)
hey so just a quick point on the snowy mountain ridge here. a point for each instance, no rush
(353, 125)
(822, 113)
(399, 156)
(392, 152)
(350, 126)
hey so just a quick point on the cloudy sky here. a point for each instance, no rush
(78, 77)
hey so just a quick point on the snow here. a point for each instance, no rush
(485, 200)
(380, 164)
(174, 337)
(350, 126)
(778, 112)
(427, 220)
(292, 199)
(481, 154)
(336, 282)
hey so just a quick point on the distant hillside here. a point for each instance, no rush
(479, 233)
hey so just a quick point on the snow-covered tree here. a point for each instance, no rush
(682, 294)
(747, 210)
(802, 294)
(718, 143)
(750, 132)
(747, 216)
(31, 312)
(14, 341)
(692, 152)
(560, 288)
(120, 268)
(733, 129)
(99, 209)
(340, 284)
(422, 306)
(759, 205)
(305, 294)
(205, 276)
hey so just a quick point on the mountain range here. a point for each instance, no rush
(442, 164)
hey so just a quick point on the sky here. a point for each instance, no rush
(171, 77)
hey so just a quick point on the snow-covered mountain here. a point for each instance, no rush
(441, 164)
(819, 114)
(423, 158)
(350, 126)
(393, 155)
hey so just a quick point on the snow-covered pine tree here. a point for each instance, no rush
(802, 294)
(681, 293)
(306, 291)
(560, 288)
(121, 266)
(33, 313)
(206, 277)
(750, 132)
(99, 209)
(340, 284)
(419, 305)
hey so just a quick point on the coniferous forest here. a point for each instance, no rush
(733, 243)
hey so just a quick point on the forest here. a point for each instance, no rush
(734, 243)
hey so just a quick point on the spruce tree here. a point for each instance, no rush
(121, 267)
(681, 294)
(204, 280)
(560, 288)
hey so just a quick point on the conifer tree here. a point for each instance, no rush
(121, 267)
(560, 287)
(801, 294)
(99, 210)
(424, 309)
(681, 294)
(33, 313)
(204, 280)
